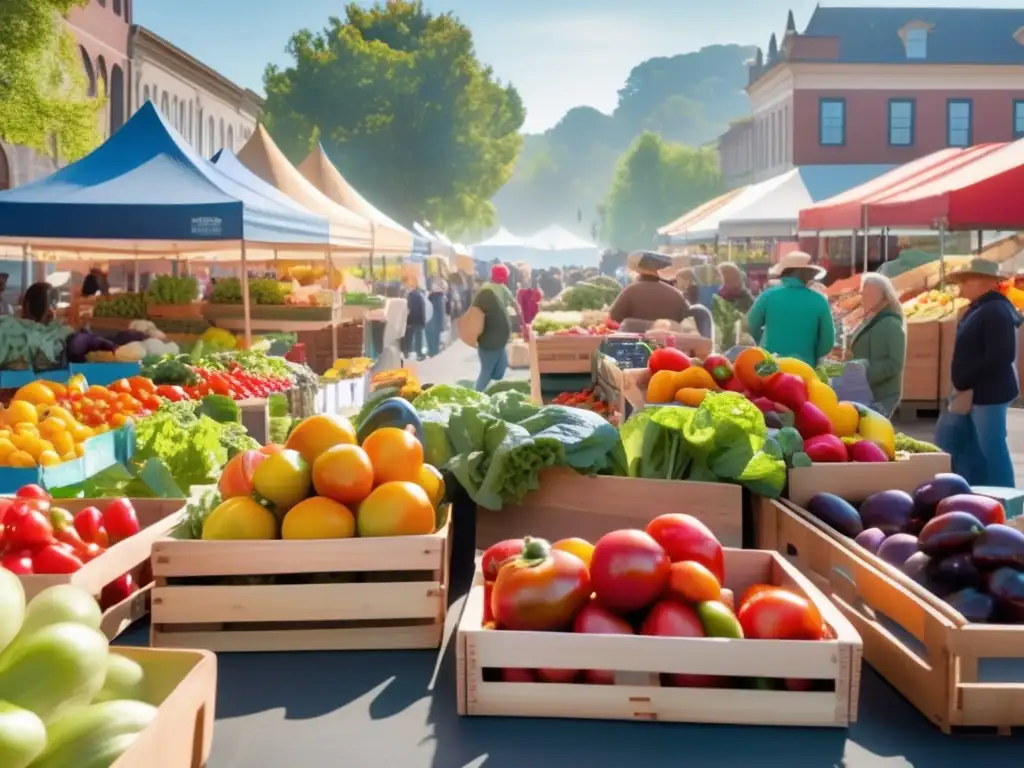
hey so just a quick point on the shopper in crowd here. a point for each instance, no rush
(973, 430)
(734, 287)
(495, 301)
(528, 299)
(416, 322)
(39, 303)
(5, 307)
(441, 310)
(880, 341)
(551, 283)
(686, 282)
(648, 298)
(792, 319)
(96, 282)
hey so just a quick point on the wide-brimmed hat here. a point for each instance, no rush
(975, 268)
(797, 260)
(648, 262)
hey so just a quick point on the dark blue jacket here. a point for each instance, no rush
(417, 301)
(985, 350)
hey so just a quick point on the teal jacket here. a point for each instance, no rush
(881, 343)
(792, 320)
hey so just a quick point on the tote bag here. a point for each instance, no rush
(471, 325)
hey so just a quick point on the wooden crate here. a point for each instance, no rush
(921, 371)
(638, 662)
(570, 504)
(855, 482)
(341, 594)
(157, 518)
(563, 354)
(942, 680)
(191, 311)
(183, 685)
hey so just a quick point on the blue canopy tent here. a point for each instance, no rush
(146, 192)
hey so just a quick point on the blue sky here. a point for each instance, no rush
(558, 53)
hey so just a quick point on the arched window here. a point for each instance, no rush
(174, 111)
(222, 135)
(145, 94)
(117, 98)
(117, 7)
(231, 139)
(165, 106)
(211, 137)
(182, 125)
(191, 122)
(199, 129)
(90, 73)
(101, 76)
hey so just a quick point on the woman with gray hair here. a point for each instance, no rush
(880, 341)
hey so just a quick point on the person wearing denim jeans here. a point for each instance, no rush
(983, 373)
(493, 364)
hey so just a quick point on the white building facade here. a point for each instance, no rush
(210, 111)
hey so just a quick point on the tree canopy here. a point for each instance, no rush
(655, 182)
(405, 109)
(44, 99)
(567, 171)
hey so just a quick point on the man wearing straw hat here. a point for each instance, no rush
(791, 319)
(973, 430)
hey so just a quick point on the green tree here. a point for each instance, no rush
(403, 106)
(44, 103)
(655, 182)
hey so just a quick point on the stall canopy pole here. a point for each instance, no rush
(137, 283)
(981, 244)
(853, 252)
(334, 324)
(885, 244)
(246, 308)
(867, 235)
(942, 254)
(24, 269)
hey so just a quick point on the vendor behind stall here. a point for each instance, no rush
(39, 303)
(649, 299)
(95, 282)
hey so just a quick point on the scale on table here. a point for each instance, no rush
(621, 351)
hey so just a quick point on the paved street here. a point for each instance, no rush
(459, 363)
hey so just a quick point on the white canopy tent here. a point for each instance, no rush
(558, 247)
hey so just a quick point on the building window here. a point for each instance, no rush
(199, 129)
(191, 122)
(165, 106)
(958, 122)
(1018, 118)
(145, 94)
(832, 122)
(223, 142)
(117, 99)
(901, 122)
(917, 43)
(231, 139)
(117, 7)
(211, 137)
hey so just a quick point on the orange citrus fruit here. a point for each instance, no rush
(314, 435)
(318, 518)
(343, 473)
(431, 481)
(282, 479)
(693, 582)
(396, 509)
(395, 455)
(582, 548)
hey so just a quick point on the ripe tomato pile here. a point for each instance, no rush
(662, 582)
(236, 383)
(124, 400)
(39, 537)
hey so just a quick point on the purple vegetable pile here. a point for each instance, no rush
(952, 542)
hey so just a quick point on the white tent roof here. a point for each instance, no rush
(502, 239)
(556, 238)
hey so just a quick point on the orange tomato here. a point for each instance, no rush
(582, 548)
(140, 385)
(343, 473)
(745, 368)
(98, 393)
(395, 509)
(120, 386)
(693, 582)
(396, 455)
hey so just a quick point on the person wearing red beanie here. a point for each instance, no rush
(495, 301)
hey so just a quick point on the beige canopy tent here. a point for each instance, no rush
(349, 230)
(389, 237)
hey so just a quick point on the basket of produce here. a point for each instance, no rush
(120, 306)
(69, 699)
(99, 546)
(29, 346)
(171, 297)
(659, 625)
(931, 578)
(345, 548)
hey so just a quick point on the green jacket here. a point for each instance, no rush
(792, 320)
(881, 343)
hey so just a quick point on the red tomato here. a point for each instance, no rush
(140, 385)
(121, 385)
(89, 524)
(488, 591)
(671, 619)
(595, 619)
(19, 562)
(516, 675)
(778, 614)
(542, 589)
(684, 537)
(32, 492)
(120, 520)
(754, 589)
(497, 554)
(28, 531)
(668, 359)
(91, 552)
(55, 558)
(117, 591)
(629, 570)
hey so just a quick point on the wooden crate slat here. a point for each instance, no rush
(855, 482)
(271, 641)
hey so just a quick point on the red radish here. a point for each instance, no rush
(811, 422)
(867, 452)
